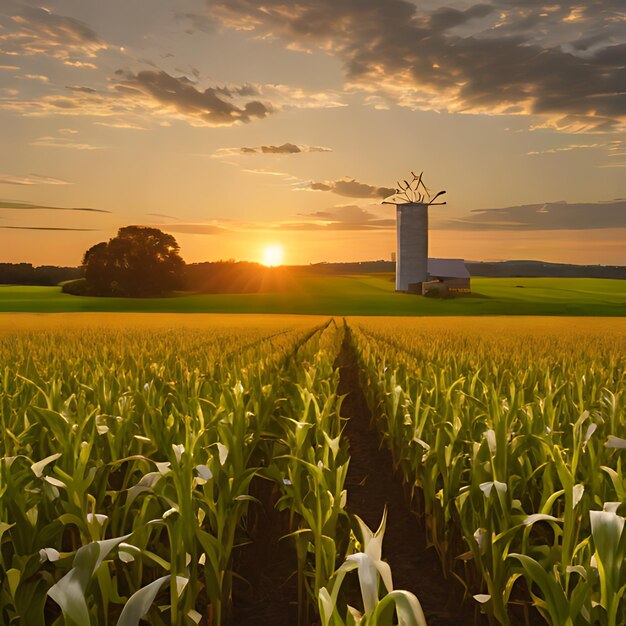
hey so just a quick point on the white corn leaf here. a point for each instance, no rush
(333, 444)
(611, 507)
(178, 449)
(486, 487)
(146, 483)
(373, 547)
(99, 518)
(55, 482)
(615, 442)
(490, 436)
(326, 606)
(540, 517)
(163, 467)
(37, 468)
(204, 472)
(606, 530)
(481, 535)
(223, 452)
(577, 569)
(368, 580)
(577, 493)
(590, 430)
(49, 554)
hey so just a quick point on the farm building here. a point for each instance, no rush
(445, 276)
(415, 272)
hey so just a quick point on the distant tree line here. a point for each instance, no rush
(495, 269)
(28, 274)
(238, 277)
(539, 269)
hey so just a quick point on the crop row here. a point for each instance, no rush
(127, 462)
(513, 448)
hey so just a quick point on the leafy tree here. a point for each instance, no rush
(139, 261)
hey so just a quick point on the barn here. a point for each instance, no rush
(445, 276)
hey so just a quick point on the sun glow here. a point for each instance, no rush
(273, 255)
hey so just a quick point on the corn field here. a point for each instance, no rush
(131, 450)
(512, 439)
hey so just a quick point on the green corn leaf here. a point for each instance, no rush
(140, 602)
(556, 602)
(408, 610)
(69, 593)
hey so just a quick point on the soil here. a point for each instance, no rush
(265, 588)
(372, 485)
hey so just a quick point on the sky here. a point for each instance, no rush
(238, 124)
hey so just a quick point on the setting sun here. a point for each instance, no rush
(273, 255)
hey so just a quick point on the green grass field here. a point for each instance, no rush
(354, 295)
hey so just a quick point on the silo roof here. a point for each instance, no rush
(448, 268)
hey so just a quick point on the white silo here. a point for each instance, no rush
(412, 237)
(412, 201)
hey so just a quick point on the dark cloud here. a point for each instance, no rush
(81, 88)
(131, 97)
(163, 216)
(349, 217)
(548, 216)
(36, 30)
(49, 228)
(214, 106)
(285, 148)
(351, 188)
(29, 206)
(446, 18)
(524, 60)
(196, 22)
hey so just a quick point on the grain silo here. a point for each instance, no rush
(412, 237)
(412, 201)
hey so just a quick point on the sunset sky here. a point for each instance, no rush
(238, 124)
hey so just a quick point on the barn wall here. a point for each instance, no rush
(461, 284)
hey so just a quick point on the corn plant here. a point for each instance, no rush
(125, 477)
(509, 441)
(372, 570)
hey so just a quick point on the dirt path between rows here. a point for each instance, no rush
(269, 594)
(372, 484)
(266, 594)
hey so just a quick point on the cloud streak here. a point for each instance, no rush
(191, 229)
(50, 141)
(31, 179)
(56, 228)
(285, 148)
(29, 206)
(548, 216)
